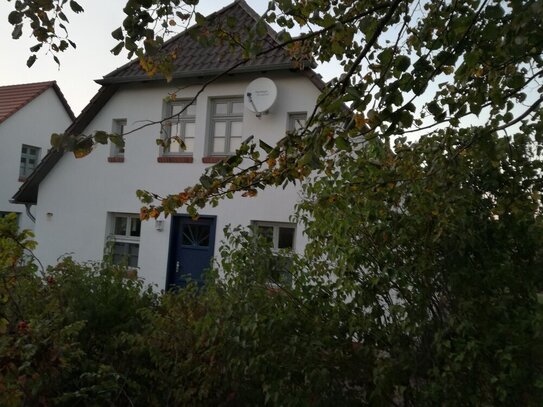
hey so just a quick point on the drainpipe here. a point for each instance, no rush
(32, 218)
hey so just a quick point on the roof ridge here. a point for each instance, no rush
(33, 90)
(176, 37)
(28, 83)
(195, 60)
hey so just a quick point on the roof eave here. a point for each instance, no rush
(194, 74)
(28, 191)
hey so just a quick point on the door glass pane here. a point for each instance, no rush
(286, 238)
(195, 235)
(120, 225)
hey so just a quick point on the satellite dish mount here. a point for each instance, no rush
(260, 96)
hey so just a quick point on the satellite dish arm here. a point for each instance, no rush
(249, 96)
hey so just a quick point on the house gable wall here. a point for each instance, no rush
(31, 125)
(77, 195)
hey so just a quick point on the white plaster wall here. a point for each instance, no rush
(32, 125)
(76, 196)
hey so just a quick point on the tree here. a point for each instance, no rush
(424, 203)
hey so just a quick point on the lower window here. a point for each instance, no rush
(280, 237)
(124, 239)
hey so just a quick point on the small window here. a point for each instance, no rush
(30, 156)
(124, 239)
(280, 237)
(16, 214)
(117, 128)
(180, 129)
(296, 121)
(225, 126)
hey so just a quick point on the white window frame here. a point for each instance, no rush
(27, 169)
(113, 238)
(179, 124)
(276, 226)
(229, 117)
(295, 118)
(117, 127)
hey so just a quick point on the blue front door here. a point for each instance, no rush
(191, 249)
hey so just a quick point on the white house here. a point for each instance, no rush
(29, 113)
(87, 205)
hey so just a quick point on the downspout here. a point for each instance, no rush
(27, 207)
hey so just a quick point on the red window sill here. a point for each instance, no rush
(175, 159)
(115, 159)
(212, 159)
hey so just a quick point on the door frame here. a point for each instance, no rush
(175, 224)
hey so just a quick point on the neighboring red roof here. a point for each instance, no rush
(14, 97)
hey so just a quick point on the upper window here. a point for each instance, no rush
(225, 127)
(125, 230)
(29, 160)
(180, 129)
(117, 128)
(296, 121)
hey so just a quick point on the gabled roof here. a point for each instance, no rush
(194, 59)
(14, 97)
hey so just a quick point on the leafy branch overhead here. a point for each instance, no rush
(48, 23)
(409, 68)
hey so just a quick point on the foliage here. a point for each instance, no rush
(48, 24)
(419, 284)
(461, 326)
(408, 68)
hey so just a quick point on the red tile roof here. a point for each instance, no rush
(14, 97)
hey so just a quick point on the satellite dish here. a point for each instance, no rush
(260, 95)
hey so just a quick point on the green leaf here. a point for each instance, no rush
(76, 8)
(118, 34)
(116, 50)
(31, 60)
(15, 17)
(402, 62)
(17, 31)
(264, 146)
(101, 137)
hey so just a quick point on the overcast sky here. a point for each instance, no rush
(91, 60)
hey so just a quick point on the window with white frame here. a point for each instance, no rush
(180, 130)
(124, 238)
(225, 125)
(30, 156)
(296, 121)
(280, 236)
(117, 128)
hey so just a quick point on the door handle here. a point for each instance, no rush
(177, 267)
